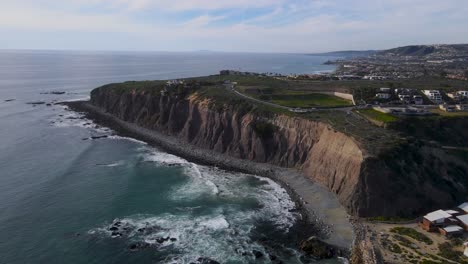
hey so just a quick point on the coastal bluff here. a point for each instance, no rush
(402, 181)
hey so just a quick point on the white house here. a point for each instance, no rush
(437, 217)
(385, 90)
(447, 108)
(433, 95)
(462, 107)
(383, 95)
(453, 95)
(463, 94)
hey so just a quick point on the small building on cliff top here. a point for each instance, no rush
(433, 221)
(451, 231)
(463, 219)
(464, 207)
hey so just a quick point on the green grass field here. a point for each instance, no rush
(309, 100)
(378, 116)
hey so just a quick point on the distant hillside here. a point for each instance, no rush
(426, 50)
(347, 53)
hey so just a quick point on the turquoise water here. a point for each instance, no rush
(66, 198)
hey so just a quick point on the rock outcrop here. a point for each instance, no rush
(391, 183)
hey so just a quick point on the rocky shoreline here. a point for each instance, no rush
(316, 204)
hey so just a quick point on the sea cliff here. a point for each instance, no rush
(404, 180)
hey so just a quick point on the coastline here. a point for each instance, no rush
(319, 208)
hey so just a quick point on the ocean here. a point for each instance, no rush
(66, 197)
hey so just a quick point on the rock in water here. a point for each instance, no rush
(317, 248)
(202, 260)
(138, 246)
(257, 254)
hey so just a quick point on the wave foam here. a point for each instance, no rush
(127, 138)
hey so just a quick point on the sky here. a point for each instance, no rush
(290, 26)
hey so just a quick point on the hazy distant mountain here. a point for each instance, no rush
(347, 53)
(425, 50)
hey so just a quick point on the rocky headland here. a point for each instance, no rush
(202, 121)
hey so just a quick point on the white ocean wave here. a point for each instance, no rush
(115, 164)
(276, 204)
(74, 119)
(222, 233)
(216, 223)
(152, 155)
(192, 237)
(85, 98)
(127, 138)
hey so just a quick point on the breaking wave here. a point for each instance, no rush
(222, 232)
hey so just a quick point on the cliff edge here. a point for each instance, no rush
(402, 179)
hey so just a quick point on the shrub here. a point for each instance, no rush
(410, 232)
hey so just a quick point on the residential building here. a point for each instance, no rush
(451, 231)
(383, 95)
(405, 98)
(463, 219)
(434, 220)
(385, 90)
(461, 107)
(463, 94)
(418, 100)
(433, 95)
(447, 108)
(454, 96)
(464, 207)
(454, 212)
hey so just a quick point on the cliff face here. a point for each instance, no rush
(331, 158)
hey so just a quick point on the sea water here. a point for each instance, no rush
(68, 198)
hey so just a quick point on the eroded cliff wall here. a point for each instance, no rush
(366, 186)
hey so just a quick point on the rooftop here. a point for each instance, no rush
(464, 206)
(437, 215)
(463, 219)
(453, 228)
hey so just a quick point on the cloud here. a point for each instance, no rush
(262, 25)
(202, 21)
(182, 5)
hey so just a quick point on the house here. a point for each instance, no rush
(405, 98)
(447, 108)
(174, 82)
(453, 95)
(463, 94)
(385, 90)
(433, 95)
(454, 212)
(418, 100)
(451, 231)
(406, 91)
(434, 220)
(463, 221)
(464, 207)
(383, 95)
(461, 107)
